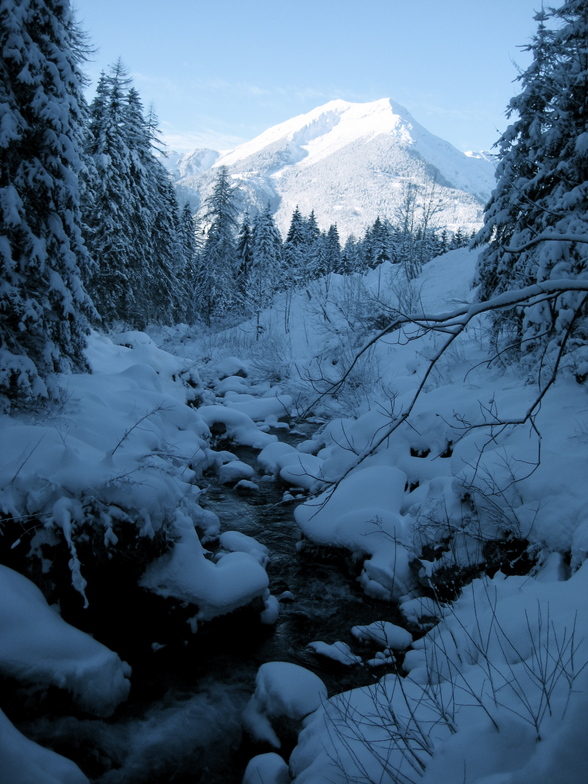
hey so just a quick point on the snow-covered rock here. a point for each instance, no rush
(281, 690)
(24, 762)
(267, 768)
(384, 633)
(37, 646)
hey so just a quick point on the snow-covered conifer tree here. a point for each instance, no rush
(188, 240)
(332, 250)
(542, 183)
(266, 273)
(245, 254)
(109, 214)
(294, 250)
(217, 294)
(42, 300)
(132, 215)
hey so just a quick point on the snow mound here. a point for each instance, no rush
(267, 769)
(281, 690)
(384, 633)
(238, 426)
(362, 515)
(216, 588)
(338, 651)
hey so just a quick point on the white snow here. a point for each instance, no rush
(25, 762)
(267, 768)
(363, 515)
(492, 687)
(216, 588)
(281, 690)
(338, 651)
(38, 647)
(384, 633)
(319, 161)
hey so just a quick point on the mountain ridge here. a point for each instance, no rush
(350, 163)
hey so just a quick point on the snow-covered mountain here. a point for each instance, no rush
(349, 162)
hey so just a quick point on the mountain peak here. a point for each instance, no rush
(350, 163)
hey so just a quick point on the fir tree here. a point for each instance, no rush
(245, 255)
(265, 274)
(332, 250)
(43, 303)
(109, 215)
(295, 250)
(188, 241)
(542, 182)
(132, 214)
(217, 294)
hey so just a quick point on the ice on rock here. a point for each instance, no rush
(281, 690)
(38, 646)
(24, 762)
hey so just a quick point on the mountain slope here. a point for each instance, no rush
(350, 163)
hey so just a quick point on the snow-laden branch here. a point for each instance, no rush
(453, 323)
(548, 238)
(456, 320)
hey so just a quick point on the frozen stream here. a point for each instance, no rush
(182, 722)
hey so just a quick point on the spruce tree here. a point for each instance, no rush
(542, 183)
(294, 251)
(245, 256)
(133, 215)
(189, 249)
(43, 303)
(266, 272)
(110, 212)
(217, 294)
(332, 250)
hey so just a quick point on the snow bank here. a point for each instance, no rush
(262, 409)
(362, 515)
(37, 646)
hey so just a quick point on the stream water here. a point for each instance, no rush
(182, 722)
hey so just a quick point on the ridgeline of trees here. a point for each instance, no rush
(93, 233)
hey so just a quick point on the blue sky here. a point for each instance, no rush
(219, 72)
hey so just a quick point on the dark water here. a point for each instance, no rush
(182, 722)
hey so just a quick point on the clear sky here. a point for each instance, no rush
(219, 72)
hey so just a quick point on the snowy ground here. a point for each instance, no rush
(495, 681)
